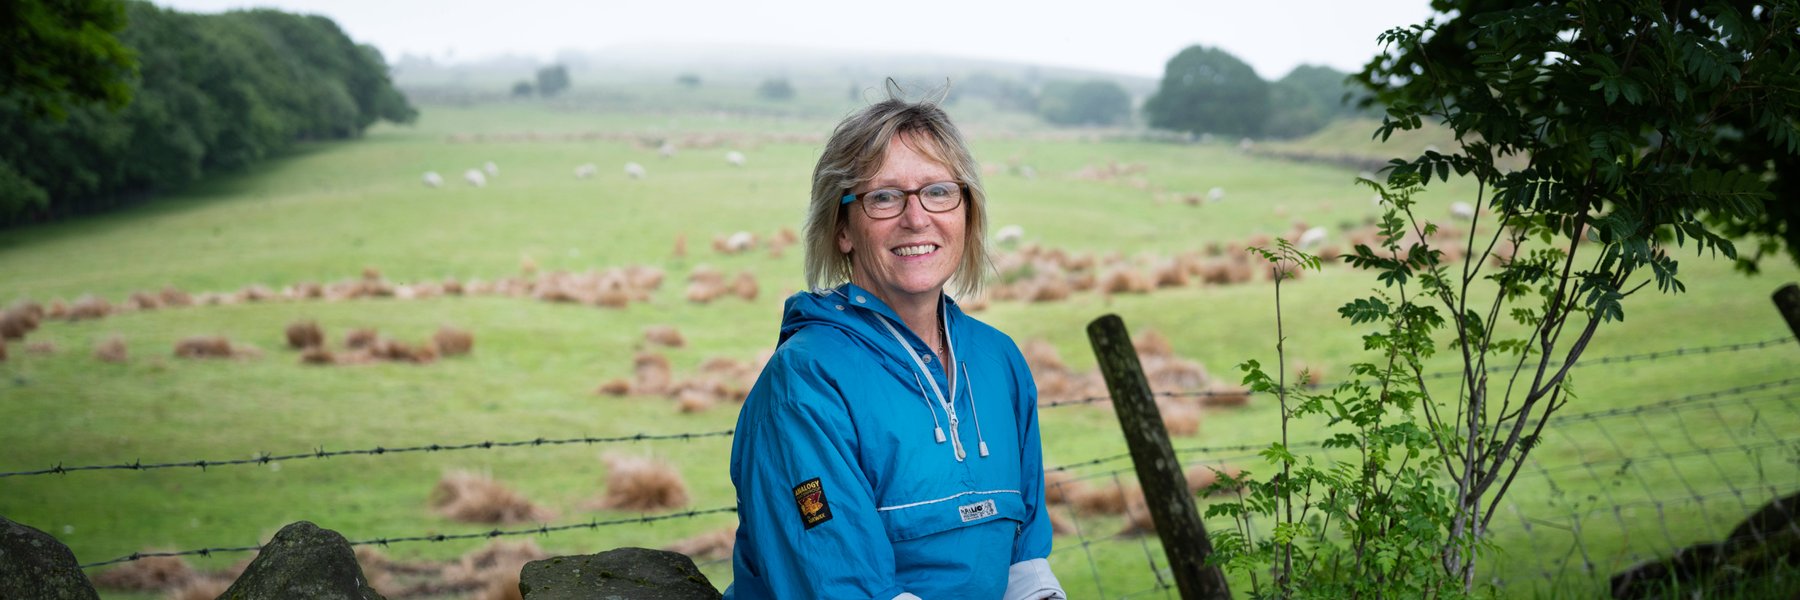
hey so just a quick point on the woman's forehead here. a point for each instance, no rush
(912, 154)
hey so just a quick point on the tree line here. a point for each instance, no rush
(123, 99)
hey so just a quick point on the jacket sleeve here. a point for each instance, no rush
(1030, 577)
(796, 439)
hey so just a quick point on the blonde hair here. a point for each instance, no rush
(854, 155)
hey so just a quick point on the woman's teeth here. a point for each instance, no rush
(915, 250)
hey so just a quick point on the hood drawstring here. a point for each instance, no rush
(949, 407)
(969, 385)
(937, 429)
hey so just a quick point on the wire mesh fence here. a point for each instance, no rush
(1606, 489)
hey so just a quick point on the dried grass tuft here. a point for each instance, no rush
(712, 545)
(304, 334)
(111, 350)
(641, 484)
(151, 573)
(744, 286)
(205, 588)
(616, 387)
(203, 346)
(1226, 397)
(1061, 487)
(89, 307)
(664, 335)
(43, 347)
(452, 341)
(650, 374)
(476, 498)
(1150, 342)
(1181, 419)
(361, 338)
(317, 355)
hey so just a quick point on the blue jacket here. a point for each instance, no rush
(855, 481)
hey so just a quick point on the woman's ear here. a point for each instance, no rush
(843, 239)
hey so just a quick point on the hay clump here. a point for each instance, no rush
(111, 350)
(664, 335)
(1061, 487)
(650, 374)
(452, 341)
(361, 338)
(744, 286)
(172, 296)
(44, 347)
(204, 588)
(1179, 418)
(305, 334)
(20, 319)
(203, 346)
(148, 574)
(641, 484)
(490, 564)
(1225, 397)
(712, 545)
(472, 497)
(89, 307)
(317, 355)
(616, 387)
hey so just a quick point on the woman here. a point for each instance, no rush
(862, 459)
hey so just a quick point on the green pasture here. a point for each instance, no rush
(328, 211)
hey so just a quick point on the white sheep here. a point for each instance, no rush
(1246, 144)
(1462, 211)
(740, 242)
(735, 158)
(492, 169)
(1027, 172)
(1010, 234)
(433, 179)
(585, 171)
(634, 170)
(1216, 194)
(1311, 239)
(475, 178)
(667, 150)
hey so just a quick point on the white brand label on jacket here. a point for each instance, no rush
(978, 510)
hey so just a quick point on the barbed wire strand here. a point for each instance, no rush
(1604, 360)
(440, 537)
(263, 458)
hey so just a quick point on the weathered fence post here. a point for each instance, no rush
(1787, 300)
(1165, 486)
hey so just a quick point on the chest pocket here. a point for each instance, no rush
(920, 519)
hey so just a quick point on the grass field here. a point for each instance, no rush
(328, 211)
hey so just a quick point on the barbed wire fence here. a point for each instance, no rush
(1610, 489)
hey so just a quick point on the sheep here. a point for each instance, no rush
(739, 242)
(492, 169)
(1462, 211)
(634, 170)
(587, 170)
(1216, 194)
(475, 178)
(1010, 234)
(433, 180)
(1311, 239)
(667, 150)
(734, 158)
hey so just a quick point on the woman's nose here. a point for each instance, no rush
(913, 214)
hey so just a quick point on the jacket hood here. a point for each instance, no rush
(846, 308)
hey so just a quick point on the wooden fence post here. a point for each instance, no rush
(1165, 486)
(1787, 300)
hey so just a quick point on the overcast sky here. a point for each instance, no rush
(1133, 37)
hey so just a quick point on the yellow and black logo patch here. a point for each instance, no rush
(810, 497)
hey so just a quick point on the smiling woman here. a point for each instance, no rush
(848, 484)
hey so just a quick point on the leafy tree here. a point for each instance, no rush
(1309, 98)
(775, 89)
(523, 89)
(1207, 90)
(1645, 129)
(688, 80)
(1093, 102)
(61, 53)
(216, 92)
(552, 80)
(1004, 93)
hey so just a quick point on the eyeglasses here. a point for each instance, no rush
(887, 203)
